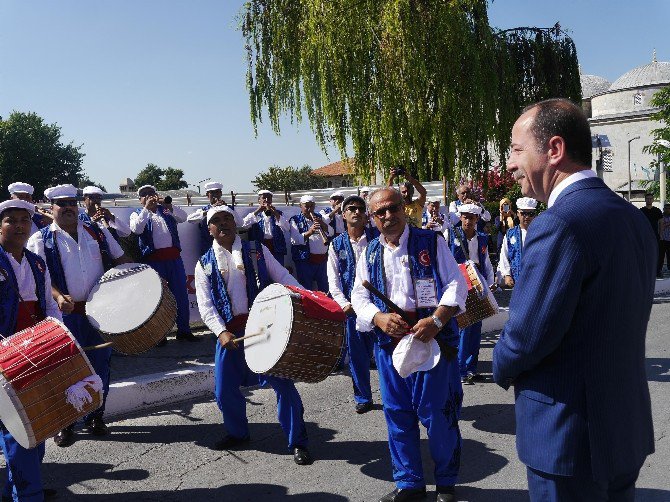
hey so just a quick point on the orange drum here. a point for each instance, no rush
(38, 366)
(480, 302)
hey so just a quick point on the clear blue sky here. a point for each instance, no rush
(162, 81)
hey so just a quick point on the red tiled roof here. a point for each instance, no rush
(339, 168)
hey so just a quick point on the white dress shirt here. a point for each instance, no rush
(232, 271)
(573, 178)
(315, 242)
(26, 284)
(399, 285)
(252, 218)
(473, 255)
(339, 221)
(453, 208)
(160, 232)
(333, 270)
(81, 259)
(504, 267)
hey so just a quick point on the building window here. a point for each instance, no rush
(329, 184)
(637, 99)
(344, 182)
(607, 161)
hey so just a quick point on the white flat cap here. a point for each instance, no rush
(365, 189)
(93, 190)
(469, 208)
(17, 204)
(264, 192)
(213, 185)
(224, 209)
(306, 198)
(20, 187)
(66, 191)
(145, 186)
(435, 198)
(526, 204)
(337, 194)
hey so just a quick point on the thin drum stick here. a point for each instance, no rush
(100, 346)
(387, 301)
(248, 336)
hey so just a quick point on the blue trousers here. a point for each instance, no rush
(175, 275)
(544, 487)
(24, 481)
(308, 273)
(100, 358)
(470, 339)
(230, 373)
(361, 348)
(433, 398)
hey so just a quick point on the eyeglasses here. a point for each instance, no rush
(65, 203)
(527, 213)
(381, 212)
(353, 209)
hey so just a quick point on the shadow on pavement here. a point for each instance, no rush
(57, 475)
(658, 369)
(496, 418)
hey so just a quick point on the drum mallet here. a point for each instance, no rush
(99, 346)
(261, 332)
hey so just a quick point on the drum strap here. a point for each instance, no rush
(253, 251)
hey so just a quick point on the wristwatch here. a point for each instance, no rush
(437, 321)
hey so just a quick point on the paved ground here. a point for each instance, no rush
(164, 455)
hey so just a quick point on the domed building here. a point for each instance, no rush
(620, 118)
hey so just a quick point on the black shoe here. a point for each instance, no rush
(230, 442)
(363, 407)
(187, 337)
(404, 495)
(162, 343)
(478, 377)
(468, 379)
(96, 426)
(445, 494)
(65, 437)
(301, 456)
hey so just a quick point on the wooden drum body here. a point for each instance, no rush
(292, 344)
(480, 302)
(37, 366)
(132, 307)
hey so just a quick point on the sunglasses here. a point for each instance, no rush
(65, 203)
(394, 208)
(527, 213)
(353, 209)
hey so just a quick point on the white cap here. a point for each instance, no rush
(337, 194)
(365, 189)
(264, 192)
(20, 187)
(145, 186)
(18, 204)
(306, 198)
(526, 204)
(93, 190)
(66, 191)
(470, 209)
(411, 355)
(223, 209)
(435, 198)
(213, 185)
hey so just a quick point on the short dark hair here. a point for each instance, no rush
(561, 117)
(409, 187)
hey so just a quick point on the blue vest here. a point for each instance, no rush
(52, 254)
(460, 251)
(146, 241)
(346, 260)
(420, 241)
(300, 252)
(257, 233)
(87, 219)
(514, 251)
(219, 293)
(9, 298)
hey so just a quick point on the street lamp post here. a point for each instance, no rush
(662, 171)
(629, 181)
(201, 182)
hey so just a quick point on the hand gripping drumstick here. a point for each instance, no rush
(261, 332)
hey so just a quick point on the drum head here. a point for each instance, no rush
(125, 298)
(11, 414)
(272, 315)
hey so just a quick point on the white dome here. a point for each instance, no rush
(592, 85)
(655, 73)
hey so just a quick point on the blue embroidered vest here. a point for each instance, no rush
(257, 233)
(346, 260)
(146, 241)
(219, 293)
(300, 252)
(514, 251)
(460, 250)
(9, 298)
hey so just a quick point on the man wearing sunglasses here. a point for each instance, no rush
(509, 266)
(414, 269)
(344, 252)
(93, 211)
(77, 253)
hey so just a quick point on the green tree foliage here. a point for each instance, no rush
(660, 100)
(427, 84)
(33, 152)
(287, 179)
(162, 179)
(85, 181)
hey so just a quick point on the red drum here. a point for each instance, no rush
(37, 367)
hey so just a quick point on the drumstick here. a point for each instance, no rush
(239, 339)
(387, 301)
(99, 346)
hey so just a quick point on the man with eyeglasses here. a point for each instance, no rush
(413, 208)
(77, 254)
(24, 191)
(413, 268)
(93, 211)
(333, 215)
(509, 266)
(344, 252)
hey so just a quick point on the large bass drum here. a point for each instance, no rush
(300, 334)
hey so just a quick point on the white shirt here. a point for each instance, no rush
(333, 270)
(453, 208)
(81, 259)
(232, 271)
(160, 232)
(315, 242)
(473, 254)
(26, 284)
(339, 221)
(399, 285)
(573, 178)
(436, 226)
(252, 218)
(121, 227)
(503, 265)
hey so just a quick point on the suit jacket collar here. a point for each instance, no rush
(585, 184)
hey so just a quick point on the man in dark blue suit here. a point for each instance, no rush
(574, 344)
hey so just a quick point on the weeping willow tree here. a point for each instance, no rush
(427, 84)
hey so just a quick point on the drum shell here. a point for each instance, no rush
(476, 309)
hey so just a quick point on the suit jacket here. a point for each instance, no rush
(574, 343)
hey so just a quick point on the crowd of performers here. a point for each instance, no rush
(53, 258)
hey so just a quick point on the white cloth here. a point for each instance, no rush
(504, 267)
(232, 271)
(315, 242)
(453, 208)
(412, 355)
(161, 233)
(26, 284)
(333, 270)
(399, 285)
(78, 395)
(339, 221)
(81, 260)
(469, 209)
(306, 198)
(573, 178)
(473, 254)
(17, 204)
(213, 185)
(224, 208)
(526, 204)
(252, 218)
(92, 190)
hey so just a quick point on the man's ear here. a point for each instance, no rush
(556, 150)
